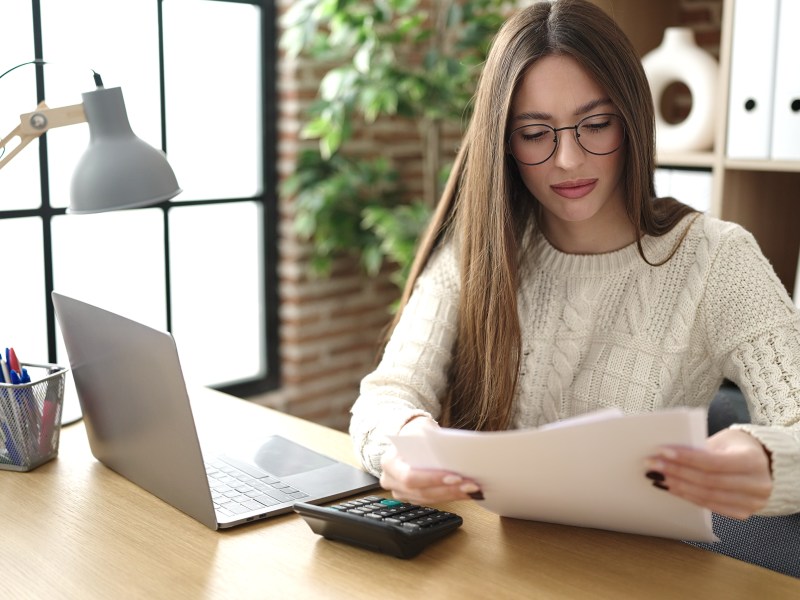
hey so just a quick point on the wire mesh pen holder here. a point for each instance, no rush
(30, 418)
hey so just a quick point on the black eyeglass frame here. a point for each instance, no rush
(556, 138)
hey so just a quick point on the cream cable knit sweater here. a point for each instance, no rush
(608, 330)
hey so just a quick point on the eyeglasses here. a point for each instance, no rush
(597, 134)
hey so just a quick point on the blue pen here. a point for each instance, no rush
(17, 423)
(8, 437)
(26, 404)
(5, 434)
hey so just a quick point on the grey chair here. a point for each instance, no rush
(770, 542)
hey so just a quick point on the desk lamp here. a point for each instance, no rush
(118, 170)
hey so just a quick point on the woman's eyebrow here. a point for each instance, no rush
(591, 105)
(533, 116)
(581, 110)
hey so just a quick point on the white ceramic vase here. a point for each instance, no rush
(680, 60)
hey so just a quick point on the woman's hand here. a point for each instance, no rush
(731, 476)
(422, 486)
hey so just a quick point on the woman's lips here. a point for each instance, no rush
(574, 189)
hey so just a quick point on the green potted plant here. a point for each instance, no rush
(402, 59)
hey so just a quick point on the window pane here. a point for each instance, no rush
(114, 260)
(213, 83)
(22, 317)
(217, 291)
(19, 179)
(117, 39)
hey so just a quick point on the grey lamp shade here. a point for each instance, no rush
(118, 170)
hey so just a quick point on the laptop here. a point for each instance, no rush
(139, 423)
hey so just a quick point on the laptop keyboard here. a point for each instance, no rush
(235, 492)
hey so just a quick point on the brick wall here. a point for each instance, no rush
(329, 328)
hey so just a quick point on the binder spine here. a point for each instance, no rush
(786, 107)
(752, 79)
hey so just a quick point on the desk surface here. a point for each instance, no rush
(74, 529)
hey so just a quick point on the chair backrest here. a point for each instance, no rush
(770, 542)
(728, 407)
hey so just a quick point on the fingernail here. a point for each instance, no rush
(655, 475)
(469, 488)
(660, 485)
(668, 453)
(451, 479)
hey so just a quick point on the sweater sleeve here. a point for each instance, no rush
(755, 327)
(412, 374)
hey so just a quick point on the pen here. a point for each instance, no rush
(49, 413)
(13, 362)
(27, 404)
(13, 415)
(4, 371)
(19, 376)
(48, 423)
(24, 377)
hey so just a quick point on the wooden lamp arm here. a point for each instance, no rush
(34, 124)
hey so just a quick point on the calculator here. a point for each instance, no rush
(383, 525)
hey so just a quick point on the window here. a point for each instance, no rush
(198, 81)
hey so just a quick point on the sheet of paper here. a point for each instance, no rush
(588, 472)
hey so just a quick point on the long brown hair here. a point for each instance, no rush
(487, 208)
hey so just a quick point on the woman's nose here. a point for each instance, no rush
(569, 152)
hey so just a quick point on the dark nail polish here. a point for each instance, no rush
(660, 485)
(476, 495)
(654, 475)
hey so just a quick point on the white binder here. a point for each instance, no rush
(786, 107)
(752, 78)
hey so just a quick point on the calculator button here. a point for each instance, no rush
(390, 502)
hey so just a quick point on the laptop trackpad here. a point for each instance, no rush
(281, 458)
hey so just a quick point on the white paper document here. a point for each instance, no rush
(588, 471)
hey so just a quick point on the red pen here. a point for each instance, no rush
(13, 362)
(49, 411)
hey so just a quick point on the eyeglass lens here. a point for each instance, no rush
(597, 134)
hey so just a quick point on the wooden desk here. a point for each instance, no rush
(74, 529)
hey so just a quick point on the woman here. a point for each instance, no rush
(551, 283)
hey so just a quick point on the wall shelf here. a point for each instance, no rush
(784, 166)
(686, 159)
